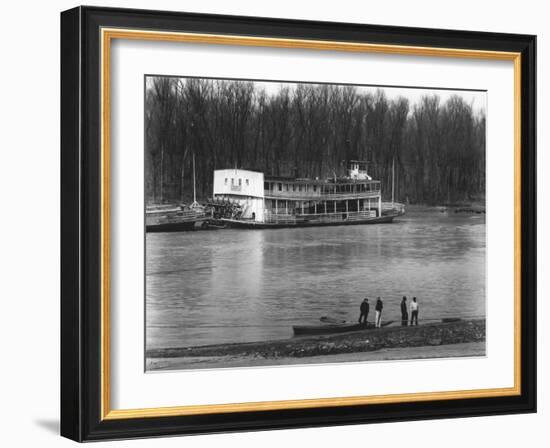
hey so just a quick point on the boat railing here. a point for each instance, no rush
(174, 216)
(285, 218)
(309, 195)
(279, 218)
(160, 209)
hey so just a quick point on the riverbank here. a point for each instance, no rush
(466, 349)
(435, 340)
(474, 207)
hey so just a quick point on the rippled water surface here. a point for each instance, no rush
(228, 285)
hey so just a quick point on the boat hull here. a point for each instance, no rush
(174, 226)
(305, 330)
(249, 224)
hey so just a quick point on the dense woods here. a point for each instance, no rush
(309, 130)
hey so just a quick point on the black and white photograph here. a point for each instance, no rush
(300, 223)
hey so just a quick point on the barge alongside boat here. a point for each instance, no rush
(273, 202)
(174, 218)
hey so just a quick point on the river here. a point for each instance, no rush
(230, 285)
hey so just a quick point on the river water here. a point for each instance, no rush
(208, 287)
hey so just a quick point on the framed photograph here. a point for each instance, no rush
(276, 224)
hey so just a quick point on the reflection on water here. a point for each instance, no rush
(245, 285)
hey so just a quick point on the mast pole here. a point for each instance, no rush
(181, 184)
(194, 188)
(393, 181)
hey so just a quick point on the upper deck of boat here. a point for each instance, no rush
(310, 189)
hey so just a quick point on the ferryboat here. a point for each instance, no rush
(248, 199)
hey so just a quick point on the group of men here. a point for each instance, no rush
(365, 308)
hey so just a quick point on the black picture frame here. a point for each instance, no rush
(81, 381)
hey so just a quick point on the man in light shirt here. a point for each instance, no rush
(414, 312)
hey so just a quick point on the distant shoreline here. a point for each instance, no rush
(456, 207)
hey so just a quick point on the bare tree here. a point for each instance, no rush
(437, 151)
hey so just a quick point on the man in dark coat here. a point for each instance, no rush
(378, 308)
(404, 312)
(364, 308)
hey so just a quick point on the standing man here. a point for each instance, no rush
(378, 308)
(404, 312)
(414, 311)
(364, 308)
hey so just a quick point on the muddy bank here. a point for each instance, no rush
(433, 334)
(467, 349)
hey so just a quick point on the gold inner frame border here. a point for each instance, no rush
(107, 35)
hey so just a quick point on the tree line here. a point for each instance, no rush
(436, 149)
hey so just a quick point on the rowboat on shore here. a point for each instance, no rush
(303, 330)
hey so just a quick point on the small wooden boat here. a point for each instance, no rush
(302, 330)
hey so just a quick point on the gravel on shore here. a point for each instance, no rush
(305, 349)
(460, 350)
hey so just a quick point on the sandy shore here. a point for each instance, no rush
(468, 349)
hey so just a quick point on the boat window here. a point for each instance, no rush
(315, 188)
(226, 181)
(266, 185)
(280, 187)
(232, 181)
(247, 182)
(240, 182)
(293, 187)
